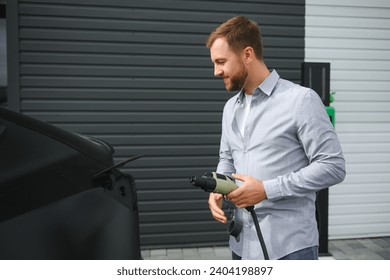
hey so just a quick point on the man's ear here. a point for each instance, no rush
(248, 54)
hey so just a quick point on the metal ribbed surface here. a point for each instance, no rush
(355, 38)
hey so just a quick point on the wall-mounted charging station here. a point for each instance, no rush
(316, 75)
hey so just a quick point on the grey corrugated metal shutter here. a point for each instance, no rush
(355, 38)
(137, 74)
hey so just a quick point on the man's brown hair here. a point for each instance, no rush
(240, 33)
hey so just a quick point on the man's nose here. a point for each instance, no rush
(217, 72)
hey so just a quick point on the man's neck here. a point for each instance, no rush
(257, 73)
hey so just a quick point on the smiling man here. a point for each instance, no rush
(277, 142)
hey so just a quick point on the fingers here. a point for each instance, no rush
(234, 194)
(237, 197)
(215, 205)
(239, 177)
(242, 202)
(249, 193)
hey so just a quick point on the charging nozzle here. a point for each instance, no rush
(214, 182)
(219, 183)
(235, 228)
(205, 183)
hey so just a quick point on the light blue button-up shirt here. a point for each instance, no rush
(290, 144)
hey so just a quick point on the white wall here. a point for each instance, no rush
(354, 36)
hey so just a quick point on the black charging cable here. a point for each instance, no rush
(235, 228)
(251, 209)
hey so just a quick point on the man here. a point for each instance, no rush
(277, 142)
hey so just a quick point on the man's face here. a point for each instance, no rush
(228, 65)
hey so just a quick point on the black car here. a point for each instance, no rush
(61, 196)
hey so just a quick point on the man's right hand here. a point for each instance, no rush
(215, 205)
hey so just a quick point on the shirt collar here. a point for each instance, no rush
(267, 86)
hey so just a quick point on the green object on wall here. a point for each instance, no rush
(330, 110)
(331, 113)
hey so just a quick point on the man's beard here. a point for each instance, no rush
(237, 81)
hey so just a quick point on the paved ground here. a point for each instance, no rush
(348, 249)
(361, 249)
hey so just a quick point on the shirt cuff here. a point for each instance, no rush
(272, 190)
